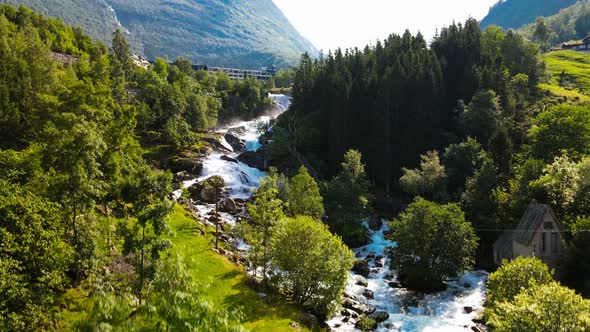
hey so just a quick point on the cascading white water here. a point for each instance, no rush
(408, 312)
(241, 180)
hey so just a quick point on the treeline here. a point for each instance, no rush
(79, 206)
(400, 98)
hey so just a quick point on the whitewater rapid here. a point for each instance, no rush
(409, 312)
(240, 179)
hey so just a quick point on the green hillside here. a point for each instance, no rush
(243, 33)
(574, 65)
(512, 14)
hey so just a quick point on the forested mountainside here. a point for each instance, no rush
(432, 151)
(571, 23)
(513, 14)
(241, 33)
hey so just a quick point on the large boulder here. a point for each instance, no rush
(362, 268)
(255, 159)
(235, 142)
(379, 316)
(195, 191)
(190, 165)
(228, 205)
(237, 130)
(361, 308)
(215, 181)
(183, 176)
(209, 195)
(308, 320)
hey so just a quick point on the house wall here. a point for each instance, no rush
(548, 256)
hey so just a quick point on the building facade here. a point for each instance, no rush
(537, 234)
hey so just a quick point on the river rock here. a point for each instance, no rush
(362, 268)
(468, 309)
(190, 165)
(228, 205)
(209, 195)
(215, 181)
(182, 176)
(255, 159)
(308, 320)
(379, 316)
(361, 281)
(395, 284)
(228, 159)
(368, 294)
(360, 308)
(235, 142)
(237, 130)
(370, 256)
(195, 191)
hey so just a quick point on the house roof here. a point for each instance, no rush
(526, 229)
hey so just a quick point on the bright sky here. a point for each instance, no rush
(329, 24)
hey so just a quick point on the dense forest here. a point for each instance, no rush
(460, 129)
(76, 196)
(460, 121)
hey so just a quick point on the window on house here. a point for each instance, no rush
(543, 242)
(548, 225)
(554, 242)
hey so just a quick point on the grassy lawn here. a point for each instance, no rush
(227, 283)
(575, 64)
(558, 91)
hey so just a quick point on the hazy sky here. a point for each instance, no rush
(329, 24)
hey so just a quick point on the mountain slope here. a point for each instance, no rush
(563, 24)
(243, 33)
(512, 14)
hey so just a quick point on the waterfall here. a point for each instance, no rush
(241, 180)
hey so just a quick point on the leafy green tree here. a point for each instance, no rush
(515, 276)
(34, 258)
(482, 116)
(428, 180)
(558, 185)
(501, 150)
(179, 133)
(481, 209)
(347, 200)
(266, 211)
(147, 192)
(577, 258)
(304, 198)
(561, 128)
(543, 308)
(582, 25)
(443, 247)
(461, 161)
(542, 32)
(312, 263)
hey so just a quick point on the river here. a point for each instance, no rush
(450, 310)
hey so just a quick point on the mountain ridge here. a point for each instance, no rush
(513, 14)
(238, 33)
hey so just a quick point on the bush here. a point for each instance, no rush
(543, 308)
(515, 276)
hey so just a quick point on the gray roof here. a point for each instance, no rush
(526, 229)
